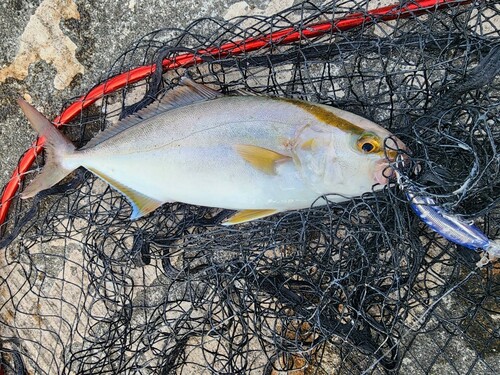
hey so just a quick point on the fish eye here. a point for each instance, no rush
(368, 143)
(367, 147)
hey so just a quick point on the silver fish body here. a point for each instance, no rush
(236, 152)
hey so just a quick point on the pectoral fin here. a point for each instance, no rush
(248, 215)
(308, 145)
(261, 158)
(141, 203)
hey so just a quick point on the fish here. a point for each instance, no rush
(258, 155)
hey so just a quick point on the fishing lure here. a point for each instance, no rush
(450, 226)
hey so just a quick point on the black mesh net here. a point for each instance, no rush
(357, 287)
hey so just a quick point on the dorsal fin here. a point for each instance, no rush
(204, 92)
(245, 92)
(188, 92)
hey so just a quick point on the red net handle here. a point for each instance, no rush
(285, 36)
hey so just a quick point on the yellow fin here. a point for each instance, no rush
(248, 215)
(308, 145)
(141, 203)
(261, 158)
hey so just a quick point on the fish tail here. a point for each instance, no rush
(57, 146)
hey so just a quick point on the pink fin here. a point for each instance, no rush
(56, 147)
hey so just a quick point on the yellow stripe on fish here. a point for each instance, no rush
(326, 116)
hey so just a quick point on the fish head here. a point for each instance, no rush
(335, 160)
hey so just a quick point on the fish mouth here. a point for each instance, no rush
(395, 149)
(383, 172)
(395, 157)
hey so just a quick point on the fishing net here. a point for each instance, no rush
(348, 288)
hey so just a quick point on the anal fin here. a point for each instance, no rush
(248, 215)
(141, 203)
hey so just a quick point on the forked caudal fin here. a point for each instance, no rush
(56, 147)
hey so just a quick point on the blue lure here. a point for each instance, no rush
(452, 227)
